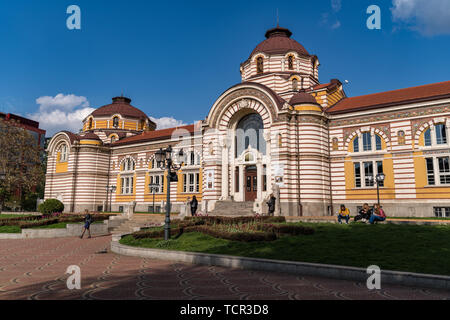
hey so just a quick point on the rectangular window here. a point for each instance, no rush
(191, 182)
(197, 182)
(368, 172)
(127, 185)
(367, 141)
(184, 183)
(441, 134)
(380, 170)
(430, 171)
(444, 170)
(442, 212)
(357, 175)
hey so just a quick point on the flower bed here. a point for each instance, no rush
(245, 229)
(38, 221)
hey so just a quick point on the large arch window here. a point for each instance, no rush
(249, 132)
(436, 137)
(368, 142)
(63, 153)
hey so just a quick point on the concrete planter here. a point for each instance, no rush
(71, 230)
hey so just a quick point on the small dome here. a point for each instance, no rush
(279, 42)
(122, 106)
(302, 98)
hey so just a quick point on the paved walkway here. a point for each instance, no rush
(35, 269)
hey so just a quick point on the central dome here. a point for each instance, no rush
(279, 42)
(122, 106)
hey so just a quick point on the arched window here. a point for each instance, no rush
(128, 165)
(90, 124)
(63, 153)
(294, 85)
(401, 137)
(291, 62)
(378, 145)
(115, 122)
(249, 132)
(113, 138)
(356, 144)
(441, 134)
(259, 65)
(427, 137)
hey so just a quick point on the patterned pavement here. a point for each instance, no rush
(35, 269)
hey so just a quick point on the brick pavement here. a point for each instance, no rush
(35, 269)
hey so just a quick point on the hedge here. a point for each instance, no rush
(286, 229)
(236, 220)
(233, 236)
(50, 206)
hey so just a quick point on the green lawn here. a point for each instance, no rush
(8, 216)
(414, 248)
(10, 229)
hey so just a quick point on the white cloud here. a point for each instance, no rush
(428, 17)
(336, 5)
(61, 112)
(336, 25)
(167, 122)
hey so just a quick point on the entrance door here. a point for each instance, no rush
(251, 182)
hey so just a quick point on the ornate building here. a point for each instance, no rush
(279, 131)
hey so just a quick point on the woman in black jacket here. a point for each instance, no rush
(194, 205)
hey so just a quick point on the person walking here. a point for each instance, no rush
(271, 204)
(194, 205)
(87, 223)
(378, 214)
(344, 213)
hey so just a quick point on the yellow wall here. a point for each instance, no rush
(128, 197)
(61, 167)
(386, 192)
(422, 191)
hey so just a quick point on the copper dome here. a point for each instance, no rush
(279, 42)
(302, 98)
(122, 106)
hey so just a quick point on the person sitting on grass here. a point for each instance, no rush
(87, 223)
(378, 214)
(344, 213)
(364, 213)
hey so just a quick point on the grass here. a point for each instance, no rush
(418, 218)
(413, 248)
(8, 216)
(10, 229)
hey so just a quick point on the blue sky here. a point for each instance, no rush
(175, 58)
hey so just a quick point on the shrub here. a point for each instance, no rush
(50, 206)
(37, 223)
(236, 220)
(233, 236)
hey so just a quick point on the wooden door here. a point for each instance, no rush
(251, 182)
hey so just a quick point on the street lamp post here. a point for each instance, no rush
(378, 180)
(165, 161)
(110, 190)
(153, 188)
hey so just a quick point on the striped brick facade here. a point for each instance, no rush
(310, 159)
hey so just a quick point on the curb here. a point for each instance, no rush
(292, 267)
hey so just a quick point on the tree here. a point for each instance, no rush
(21, 169)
